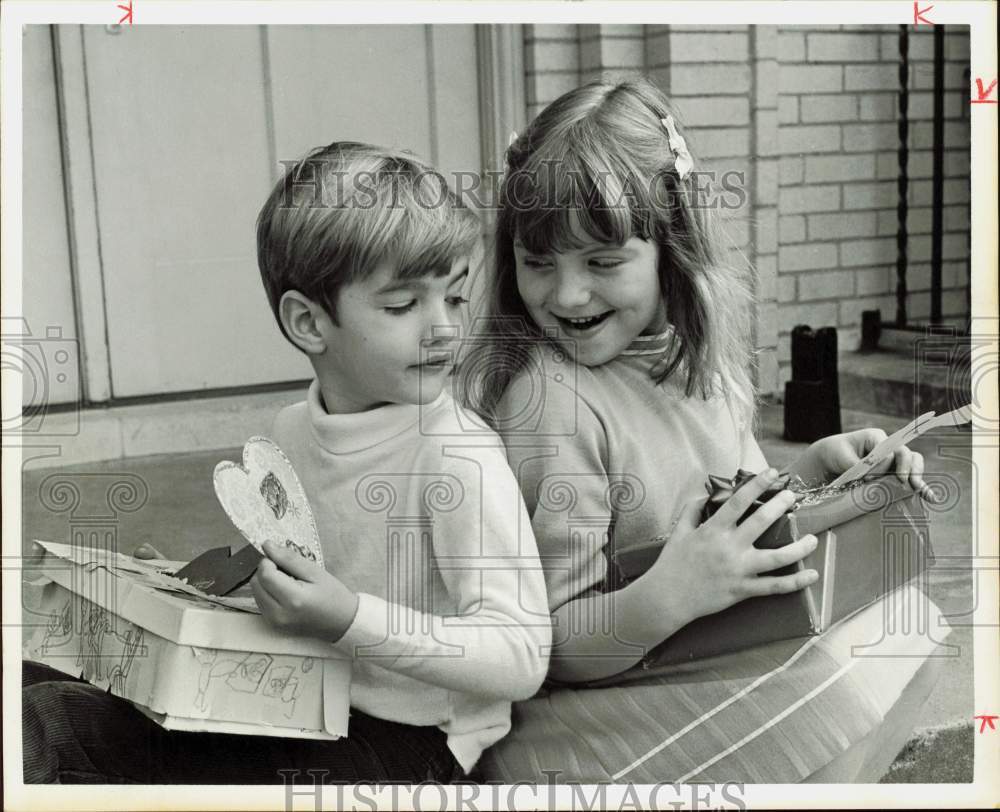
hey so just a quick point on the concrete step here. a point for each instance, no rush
(931, 373)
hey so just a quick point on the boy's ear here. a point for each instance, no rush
(301, 317)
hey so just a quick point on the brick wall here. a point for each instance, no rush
(551, 63)
(838, 138)
(808, 115)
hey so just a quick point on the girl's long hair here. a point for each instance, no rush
(597, 160)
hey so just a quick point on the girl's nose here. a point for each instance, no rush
(571, 289)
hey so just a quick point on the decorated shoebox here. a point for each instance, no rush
(185, 642)
(873, 537)
(191, 661)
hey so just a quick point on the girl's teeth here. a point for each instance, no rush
(587, 322)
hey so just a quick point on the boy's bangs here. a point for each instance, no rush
(420, 227)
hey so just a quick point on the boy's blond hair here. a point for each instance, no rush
(339, 212)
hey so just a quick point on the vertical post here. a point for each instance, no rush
(938, 180)
(502, 105)
(82, 211)
(902, 179)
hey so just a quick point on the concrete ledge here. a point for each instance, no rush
(935, 375)
(875, 391)
(120, 432)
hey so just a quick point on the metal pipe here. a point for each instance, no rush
(902, 178)
(937, 202)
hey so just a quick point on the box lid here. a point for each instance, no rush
(123, 586)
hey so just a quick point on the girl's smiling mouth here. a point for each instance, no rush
(582, 325)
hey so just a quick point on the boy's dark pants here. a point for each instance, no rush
(75, 733)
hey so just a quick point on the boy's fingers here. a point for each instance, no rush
(738, 503)
(273, 580)
(767, 560)
(766, 515)
(291, 562)
(268, 605)
(780, 584)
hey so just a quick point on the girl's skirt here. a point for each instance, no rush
(833, 707)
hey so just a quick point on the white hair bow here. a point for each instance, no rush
(683, 162)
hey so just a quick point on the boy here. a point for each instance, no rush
(431, 580)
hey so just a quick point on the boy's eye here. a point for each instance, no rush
(606, 262)
(399, 310)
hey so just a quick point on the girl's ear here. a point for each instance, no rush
(303, 320)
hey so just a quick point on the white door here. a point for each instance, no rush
(188, 127)
(47, 356)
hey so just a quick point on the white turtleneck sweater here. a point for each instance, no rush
(419, 513)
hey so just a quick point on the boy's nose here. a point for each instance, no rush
(443, 328)
(570, 290)
(443, 324)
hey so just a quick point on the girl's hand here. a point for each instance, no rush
(147, 552)
(299, 596)
(712, 566)
(833, 455)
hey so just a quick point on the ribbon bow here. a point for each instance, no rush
(720, 489)
(683, 162)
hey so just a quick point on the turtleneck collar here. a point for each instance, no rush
(645, 350)
(359, 431)
(649, 344)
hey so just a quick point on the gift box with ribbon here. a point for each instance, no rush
(873, 536)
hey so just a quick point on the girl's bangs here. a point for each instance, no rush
(562, 203)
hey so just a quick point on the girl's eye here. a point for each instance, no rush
(535, 262)
(399, 310)
(457, 301)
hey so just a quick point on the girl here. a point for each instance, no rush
(619, 374)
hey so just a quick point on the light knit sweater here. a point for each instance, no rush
(606, 458)
(418, 512)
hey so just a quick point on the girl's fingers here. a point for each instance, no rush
(767, 560)
(740, 501)
(766, 515)
(869, 439)
(902, 464)
(147, 552)
(780, 584)
(917, 471)
(884, 467)
(687, 519)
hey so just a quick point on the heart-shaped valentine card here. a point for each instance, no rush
(265, 499)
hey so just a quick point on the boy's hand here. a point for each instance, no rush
(835, 454)
(299, 596)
